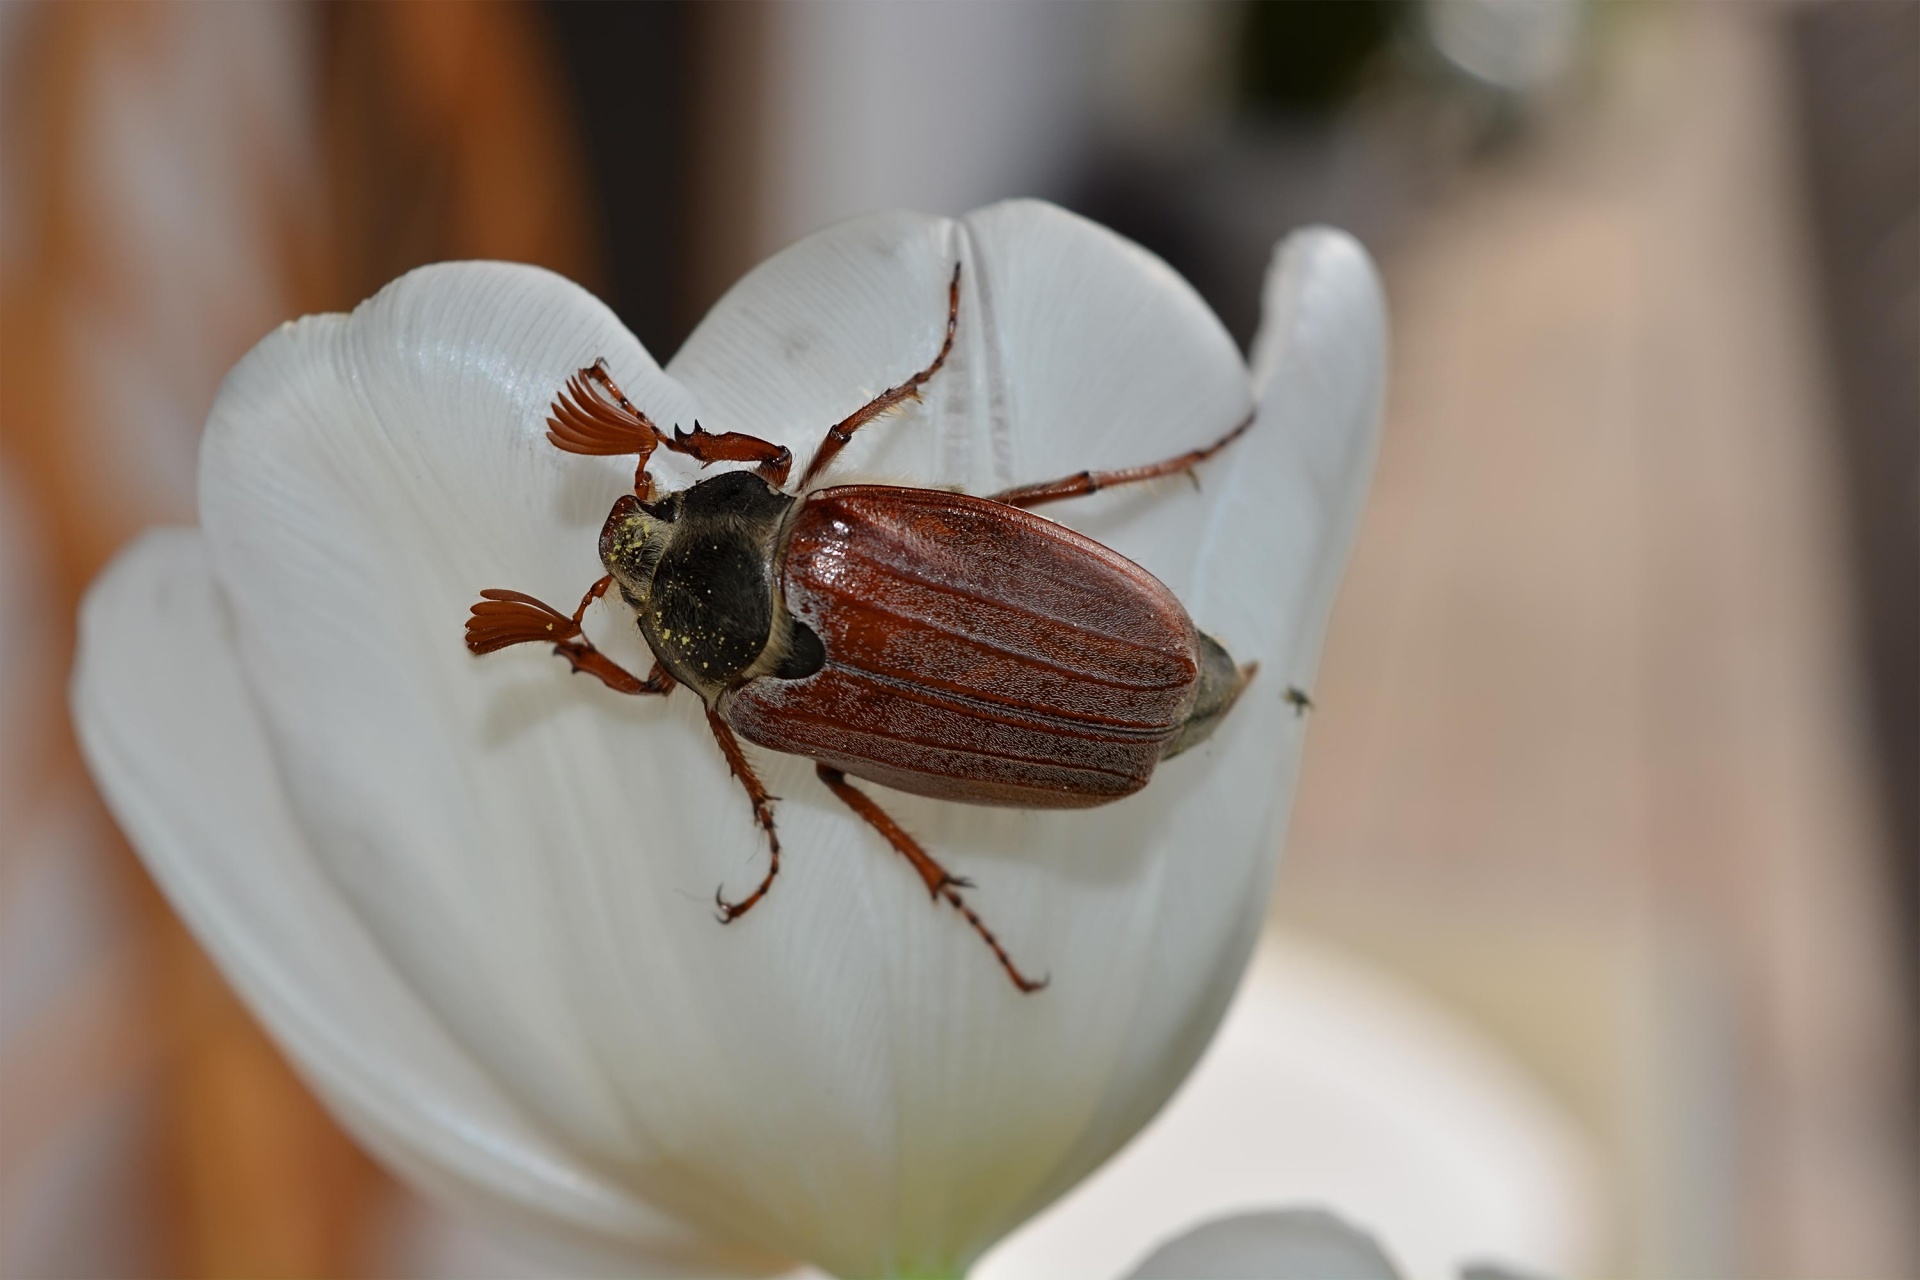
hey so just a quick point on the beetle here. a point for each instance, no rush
(926, 640)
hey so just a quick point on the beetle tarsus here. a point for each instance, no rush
(1082, 483)
(1026, 985)
(841, 432)
(762, 802)
(730, 911)
(939, 883)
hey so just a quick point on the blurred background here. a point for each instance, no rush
(1617, 755)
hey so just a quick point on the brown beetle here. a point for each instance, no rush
(932, 642)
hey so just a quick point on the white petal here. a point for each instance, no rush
(845, 1074)
(1296, 492)
(362, 479)
(173, 738)
(1278, 1244)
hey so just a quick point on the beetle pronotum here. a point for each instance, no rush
(932, 642)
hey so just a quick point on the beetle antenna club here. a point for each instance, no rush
(777, 607)
(593, 416)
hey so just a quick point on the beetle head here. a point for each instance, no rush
(632, 540)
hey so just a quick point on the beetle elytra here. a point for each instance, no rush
(928, 641)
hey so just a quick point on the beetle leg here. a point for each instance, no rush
(762, 813)
(841, 432)
(939, 883)
(505, 618)
(774, 460)
(1084, 482)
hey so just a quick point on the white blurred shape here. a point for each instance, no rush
(1280, 1244)
(1329, 1085)
(1514, 45)
(939, 106)
(194, 171)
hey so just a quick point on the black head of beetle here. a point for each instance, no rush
(698, 567)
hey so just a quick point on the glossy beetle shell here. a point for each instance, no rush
(974, 652)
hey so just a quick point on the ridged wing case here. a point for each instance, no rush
(974, 652)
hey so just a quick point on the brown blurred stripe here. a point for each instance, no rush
(445, 131)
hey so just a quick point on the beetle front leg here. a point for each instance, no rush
(762, 813)
(771, 460)
(841, 432)
(506, 618)
(939, 883)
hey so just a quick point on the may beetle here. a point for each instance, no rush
(932, 642)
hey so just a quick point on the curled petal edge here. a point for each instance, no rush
(172, 737)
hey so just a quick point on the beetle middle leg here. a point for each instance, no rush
(762, 814)
(1082, 483)
(939, 883)
(841, 432)
(506, 618)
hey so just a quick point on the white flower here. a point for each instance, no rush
(473, 897)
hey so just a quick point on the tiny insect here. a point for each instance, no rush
(929, 641)
(1297, 699)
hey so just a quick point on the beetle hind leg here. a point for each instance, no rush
(939, 883)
